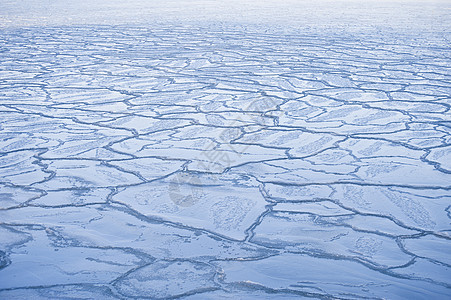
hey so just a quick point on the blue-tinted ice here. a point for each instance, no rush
(225, 150)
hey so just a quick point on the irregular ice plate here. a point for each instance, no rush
(225, 149)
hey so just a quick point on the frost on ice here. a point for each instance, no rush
(212, 149)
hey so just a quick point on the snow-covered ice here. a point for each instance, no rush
(225, 149)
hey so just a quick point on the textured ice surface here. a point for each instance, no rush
(225, 149)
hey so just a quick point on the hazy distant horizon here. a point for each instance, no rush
(395, 14)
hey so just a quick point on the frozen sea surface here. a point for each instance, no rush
(225, 150)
